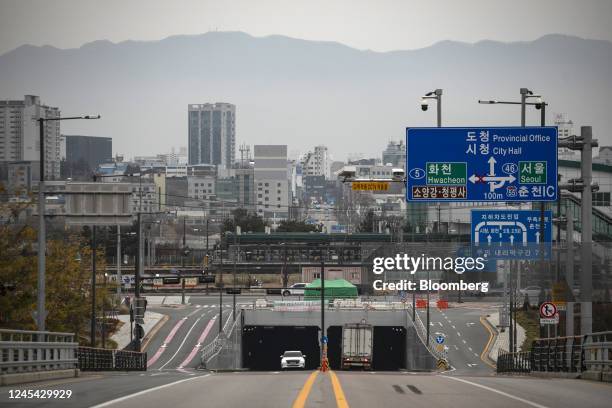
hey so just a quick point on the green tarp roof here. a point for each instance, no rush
(331, 283)
(335, 288)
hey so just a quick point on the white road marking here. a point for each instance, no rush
(476, 354)
(505, 394)
(464, 342)
(182, 343)
(469, 348)
(458, 334)
(456, 347)
(440, 323)
(453, 326)
(139, 393)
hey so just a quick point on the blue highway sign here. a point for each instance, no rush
(510, 234)
(481, 164)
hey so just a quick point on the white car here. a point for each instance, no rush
(293, 359)
(295, 289)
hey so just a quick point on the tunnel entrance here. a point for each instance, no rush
(389, 348)
(334, 346)
(263, 345)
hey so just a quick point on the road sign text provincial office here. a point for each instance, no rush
(481, 164)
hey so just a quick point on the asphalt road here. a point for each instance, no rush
(170, 382)
(306, 389)
(464, 336)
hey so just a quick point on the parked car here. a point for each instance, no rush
(295, 289)
(293, 359)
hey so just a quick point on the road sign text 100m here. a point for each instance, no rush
(481, 164)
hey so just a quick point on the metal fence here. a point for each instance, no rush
(578, 354)
(30, 351)
(519, 362)
(97, 359)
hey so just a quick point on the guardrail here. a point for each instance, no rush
(597, 353)
(214, 347)
(97, 359)
(32, 351)
(519, 362)
(422, 333)
(589, 356)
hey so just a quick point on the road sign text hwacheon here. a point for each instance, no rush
(481, 164)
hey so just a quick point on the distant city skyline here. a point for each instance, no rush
(391, 24)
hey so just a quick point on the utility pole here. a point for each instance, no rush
(236, 254)
(119, 279)
(41, 312)
(586, 212)
(93, 287)
(137, 266)
(221, 287)
(323, 344)
(183, 253)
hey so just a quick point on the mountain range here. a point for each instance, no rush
(303, 93)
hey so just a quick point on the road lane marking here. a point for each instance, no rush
(300, 401)
(340, 398)
(464, 342)
(458, 334)
(469, 348)
(148, 390)
(453, 326)
(201, 339)
(505, 394)
(182, 343)
(440, 323)
(167, 340)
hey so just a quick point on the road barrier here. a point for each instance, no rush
(440, 353)
(213, 348)
(588, 356)
(23, 351)
(519, 362)
(97, 359)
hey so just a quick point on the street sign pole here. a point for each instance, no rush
(586, 209)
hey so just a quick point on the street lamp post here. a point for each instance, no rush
(41, 312)
(437, 95)
(513, 301)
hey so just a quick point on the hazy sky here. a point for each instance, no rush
(380, 25)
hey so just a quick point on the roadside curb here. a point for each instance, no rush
(484, 356)
(153, 332)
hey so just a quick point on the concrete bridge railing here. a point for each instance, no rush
(33, 355)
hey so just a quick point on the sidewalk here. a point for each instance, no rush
(503, 339)
(122, 337)
(159, 300)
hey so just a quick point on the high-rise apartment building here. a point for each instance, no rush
(85, 153)
(212, 134)
(271, 181)
(395, 154)
(316, 162)
(19, 133)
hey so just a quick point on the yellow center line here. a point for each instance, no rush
(340, 398)
(483, 355)
(300, 401)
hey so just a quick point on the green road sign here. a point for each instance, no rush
(532, 172)
(446, 173)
